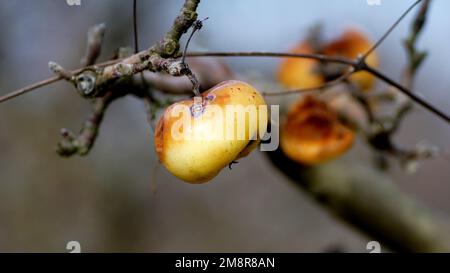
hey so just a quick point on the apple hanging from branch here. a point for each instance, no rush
(196, 138)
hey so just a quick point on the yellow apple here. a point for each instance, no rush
(312, 133)
(351, 44)
(300, 73)
(196, 138)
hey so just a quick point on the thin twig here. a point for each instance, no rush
(135, 30)
(324, 86)
(355, 63)
(408, 93)
(195, 27)
(95, 37)
(51, 80)
(386, 34)
(319, 57)
(362, 98)
(82, 142)
(30, 87)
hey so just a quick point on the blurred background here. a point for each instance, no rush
(119, 198)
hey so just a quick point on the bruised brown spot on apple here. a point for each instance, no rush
(159, 135)
(220, 99)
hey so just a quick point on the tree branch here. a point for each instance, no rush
(369, 201)
(159, 57)
(94, 43)
(82, 143)
(324, 86)
(318, 57)
(358, 65)
(48, 81)
(408, 93)
(386, 34)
